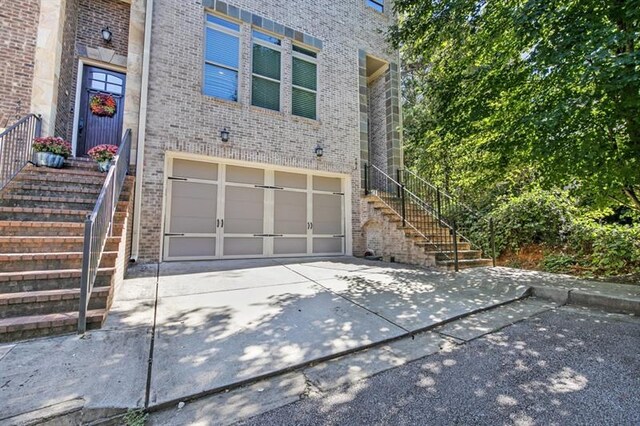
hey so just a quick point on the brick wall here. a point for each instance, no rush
(378, 123)
(18, 30)
(84, 22)
(181, 119)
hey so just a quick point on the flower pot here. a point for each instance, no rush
(48, 159)
(104, 166)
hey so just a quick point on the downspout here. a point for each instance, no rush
(142, 126)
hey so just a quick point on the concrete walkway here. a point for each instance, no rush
(207, 326)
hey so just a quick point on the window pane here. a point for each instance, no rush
(215, 20)
(114, 88)
(377, 5)
(266, 37)
(303, 103)
(222, 48)
(266, 62)
(304, 74)
(99, 76)
(304, 51)
(220, 82)
(113, 79)
(98, 85)
(265, 94)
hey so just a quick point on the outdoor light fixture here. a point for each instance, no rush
(224, 135)
(106, 34)
(319, 151)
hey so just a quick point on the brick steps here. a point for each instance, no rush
(50, 279)
(16, 262)
(24, 327)
(49, 301)
(427, 233)
(43, 228)
(36, 244)
(18, 200)
(40, 214)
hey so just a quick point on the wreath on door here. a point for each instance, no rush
(103, 105)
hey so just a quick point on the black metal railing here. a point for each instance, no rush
(416, 216)
(441, 221)
(99, 225)
(16, 146)
(471, 227)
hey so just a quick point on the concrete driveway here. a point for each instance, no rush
(206, 326)
(224, 323)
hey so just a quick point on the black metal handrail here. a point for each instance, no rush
(415, 214)
(452, 212)
(16, 146)
(99, 225)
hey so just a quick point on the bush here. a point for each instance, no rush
(610, 249)
(533, 217)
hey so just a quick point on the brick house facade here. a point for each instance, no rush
(160, 47)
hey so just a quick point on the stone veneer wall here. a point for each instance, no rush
(378, 144)
(83, 24)
(180, 118)
(18, 29)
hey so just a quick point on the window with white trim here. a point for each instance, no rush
(376, 4)
(221, 59)
(266, 71)
(304, 89)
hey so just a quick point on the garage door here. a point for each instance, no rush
(228, 211)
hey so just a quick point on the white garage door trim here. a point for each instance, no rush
(275, 242)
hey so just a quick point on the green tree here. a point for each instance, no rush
(496, 87)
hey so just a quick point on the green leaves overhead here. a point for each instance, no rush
(494, 87)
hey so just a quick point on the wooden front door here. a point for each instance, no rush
(98, 124)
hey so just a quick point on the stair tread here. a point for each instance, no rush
(45, 239)
(50, 273)
(46, 293)
(12, 257)
(10, 196)
(47, 320)
(45, 210)
(471, 261)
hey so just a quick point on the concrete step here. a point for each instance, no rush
(449, 265)
(462, 254)
(24, 327)
(44, 228)
(13, 200)
(38, 244)
(40, 214)
(429, 246)
(49, 301)
(12, 282)
(15, 262)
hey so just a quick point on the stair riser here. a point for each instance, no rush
(480, 263)
(36, 247)
(57, 192)
(53, 231)
(50, 284)
(97, 301)
(88, 205)
(11, 336)
(60, 179)
(446, 247)
(48, 217)
(462, 255)
(51, 264)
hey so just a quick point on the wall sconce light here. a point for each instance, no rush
(224, 135)
(319, 151)
(106, 34)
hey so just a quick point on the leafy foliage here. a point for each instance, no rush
(494, 88)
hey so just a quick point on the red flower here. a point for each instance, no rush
(103, 152)
(103, 105)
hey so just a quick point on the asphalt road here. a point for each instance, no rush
(563, 367)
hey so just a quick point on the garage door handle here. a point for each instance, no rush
(170, 234)
(309, 225)
(176, 178)
(338, 236)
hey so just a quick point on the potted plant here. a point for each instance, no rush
(50, 151)
(103, 154)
